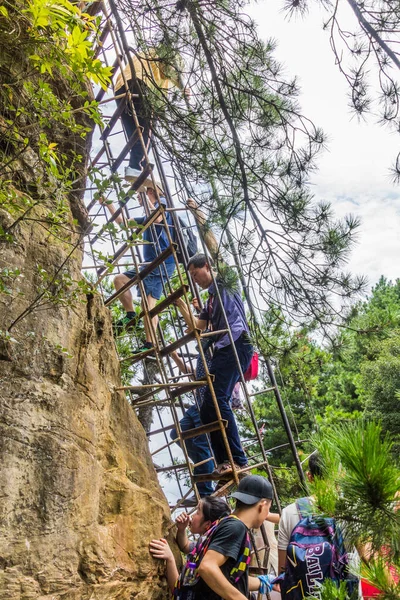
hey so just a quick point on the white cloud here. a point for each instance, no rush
(354, 172)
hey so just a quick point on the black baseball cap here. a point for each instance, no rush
(253, 488)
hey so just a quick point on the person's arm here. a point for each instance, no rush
(210, 571)
(209, 238)
(261, 584)
(273, 518)
(182, 522)
(111, 209)
(151, 199)
(284, 534)
(254, 584)
(160, 549)
(186, 314)
(281, 561)
(119, 220)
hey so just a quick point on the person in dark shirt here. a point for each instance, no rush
(223, 366)
(220, 549)
(253, 501)
(157, 239)
(209, 511)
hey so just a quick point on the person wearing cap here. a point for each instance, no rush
(253, 501)
(157, 241)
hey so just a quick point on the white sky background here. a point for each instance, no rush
(353, 173)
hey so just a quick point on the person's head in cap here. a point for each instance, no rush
(253, 500)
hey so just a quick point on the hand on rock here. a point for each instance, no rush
(160, 549)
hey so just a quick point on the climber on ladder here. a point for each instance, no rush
(153, 282)
(223, 365)
(151, 75)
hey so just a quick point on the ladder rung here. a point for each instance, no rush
(174, 393)
(166, 302)
(270, 389)
(107, 129)
(161, 430)
(140, 230)
(189, 387)
(172, 468)
(141, 275)
(182, 465)
(118, 161)
(97, 157)
(163, 386)
(178, 343)
(139, 356)
(214, 426)
(228, 474)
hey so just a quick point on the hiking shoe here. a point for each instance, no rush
(122, 325)
(146, 346)
(189, 502)
(224, 470)
(132, 174)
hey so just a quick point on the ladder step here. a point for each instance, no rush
(125, 247)
(192, 385)
(188, 337)
(118, 161)
(172, 468)
(108, 128)
(96, 159)
(161, 430)
(134, 358)
(184, 389)
(191, 433)
(163, 304)
(141, 275)
(154, 387)
(229, 474)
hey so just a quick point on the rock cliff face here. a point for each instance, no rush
(79, 497)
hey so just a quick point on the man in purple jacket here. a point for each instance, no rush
(223, 365)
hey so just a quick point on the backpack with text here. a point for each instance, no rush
(315, 552)
(185, 588)
(188, 239)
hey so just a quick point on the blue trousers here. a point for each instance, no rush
(136, 154)
(197, 448)
(224, 367)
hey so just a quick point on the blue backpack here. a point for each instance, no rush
(315, 552)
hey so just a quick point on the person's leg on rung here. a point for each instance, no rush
(226, 372)
(153, 286)
(126, 298)
(136, 155)
(197, 448)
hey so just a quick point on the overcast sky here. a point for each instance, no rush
(354, 172)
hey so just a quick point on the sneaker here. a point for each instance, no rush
(132, 174)
(189, 502)
(122, 325)
(145, 348)
(225, 469)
